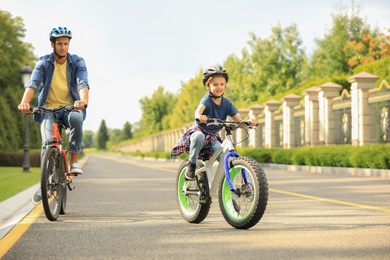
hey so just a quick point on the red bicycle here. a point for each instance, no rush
(55, 175)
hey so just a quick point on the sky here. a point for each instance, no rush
(133, 47)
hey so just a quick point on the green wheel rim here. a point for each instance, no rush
(184, 202)
(227, 195)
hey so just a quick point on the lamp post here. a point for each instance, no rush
(25, 73)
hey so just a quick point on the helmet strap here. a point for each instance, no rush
(60, 57)
(214, 96)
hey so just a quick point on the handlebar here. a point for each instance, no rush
(37, 110)
(229, 124)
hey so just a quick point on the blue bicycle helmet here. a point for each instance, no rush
(60, 32)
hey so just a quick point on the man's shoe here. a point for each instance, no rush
(190, 173)
(75, 169)
(37, 197)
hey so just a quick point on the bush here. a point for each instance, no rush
(376, 156)
(261, 155)
(15, 159)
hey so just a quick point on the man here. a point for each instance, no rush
(59, 79)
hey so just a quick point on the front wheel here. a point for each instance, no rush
(194, 205)
(245, 207)
(51, 185)
(64, 183)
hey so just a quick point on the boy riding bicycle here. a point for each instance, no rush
(212, 105)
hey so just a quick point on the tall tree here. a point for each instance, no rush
(274, 63)
(126, 132)
(187, 100)
(154, 109)
(14, 54)
(102, 136)
(328, 58)
(371, 47)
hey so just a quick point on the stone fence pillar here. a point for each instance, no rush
(289, 102)
(311, 116)
(240, 133)
(360, 85)
(270, 107)
(254, 138)
(327, 122)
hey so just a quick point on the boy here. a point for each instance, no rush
(212, 105)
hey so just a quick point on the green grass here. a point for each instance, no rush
(13, 180)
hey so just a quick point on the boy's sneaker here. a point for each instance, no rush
(37, 197)
(190, 173)
(75, 169)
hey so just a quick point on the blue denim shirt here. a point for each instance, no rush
(76, 75)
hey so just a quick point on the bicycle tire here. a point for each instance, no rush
(64, 182)
(244, 209)
(193, 208)
(51, 184)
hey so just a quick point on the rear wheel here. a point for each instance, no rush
(51, 184)
(194, 207)
(245, 207)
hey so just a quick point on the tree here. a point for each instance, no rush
(154, 109)
(115, 135)
(88, 139)
(14, 54)
(329, 59)
(102, 136)
(371, 47)
(126, 132)
(187, 101)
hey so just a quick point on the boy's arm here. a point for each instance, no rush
(198, 113)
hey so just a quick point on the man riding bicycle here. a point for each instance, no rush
(59, 79)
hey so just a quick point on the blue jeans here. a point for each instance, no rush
(197, 143)
(72, 120)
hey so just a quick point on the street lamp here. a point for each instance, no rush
(25, 73)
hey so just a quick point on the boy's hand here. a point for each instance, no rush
(253, 122)
(202, 119)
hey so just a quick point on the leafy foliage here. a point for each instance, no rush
(370, 48)
(329, 57)
(14, 52)
(154, 109)
(14, 55)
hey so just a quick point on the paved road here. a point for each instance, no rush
(123, 208)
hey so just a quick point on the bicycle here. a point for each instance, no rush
(240, 181)
(55, 175)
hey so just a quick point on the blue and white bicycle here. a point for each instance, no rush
(239, 182)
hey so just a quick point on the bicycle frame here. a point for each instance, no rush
(226, 150)
(56, 142)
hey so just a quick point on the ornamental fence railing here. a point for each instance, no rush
(321, 116)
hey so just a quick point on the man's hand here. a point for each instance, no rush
(79, 105)
(24, 107)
